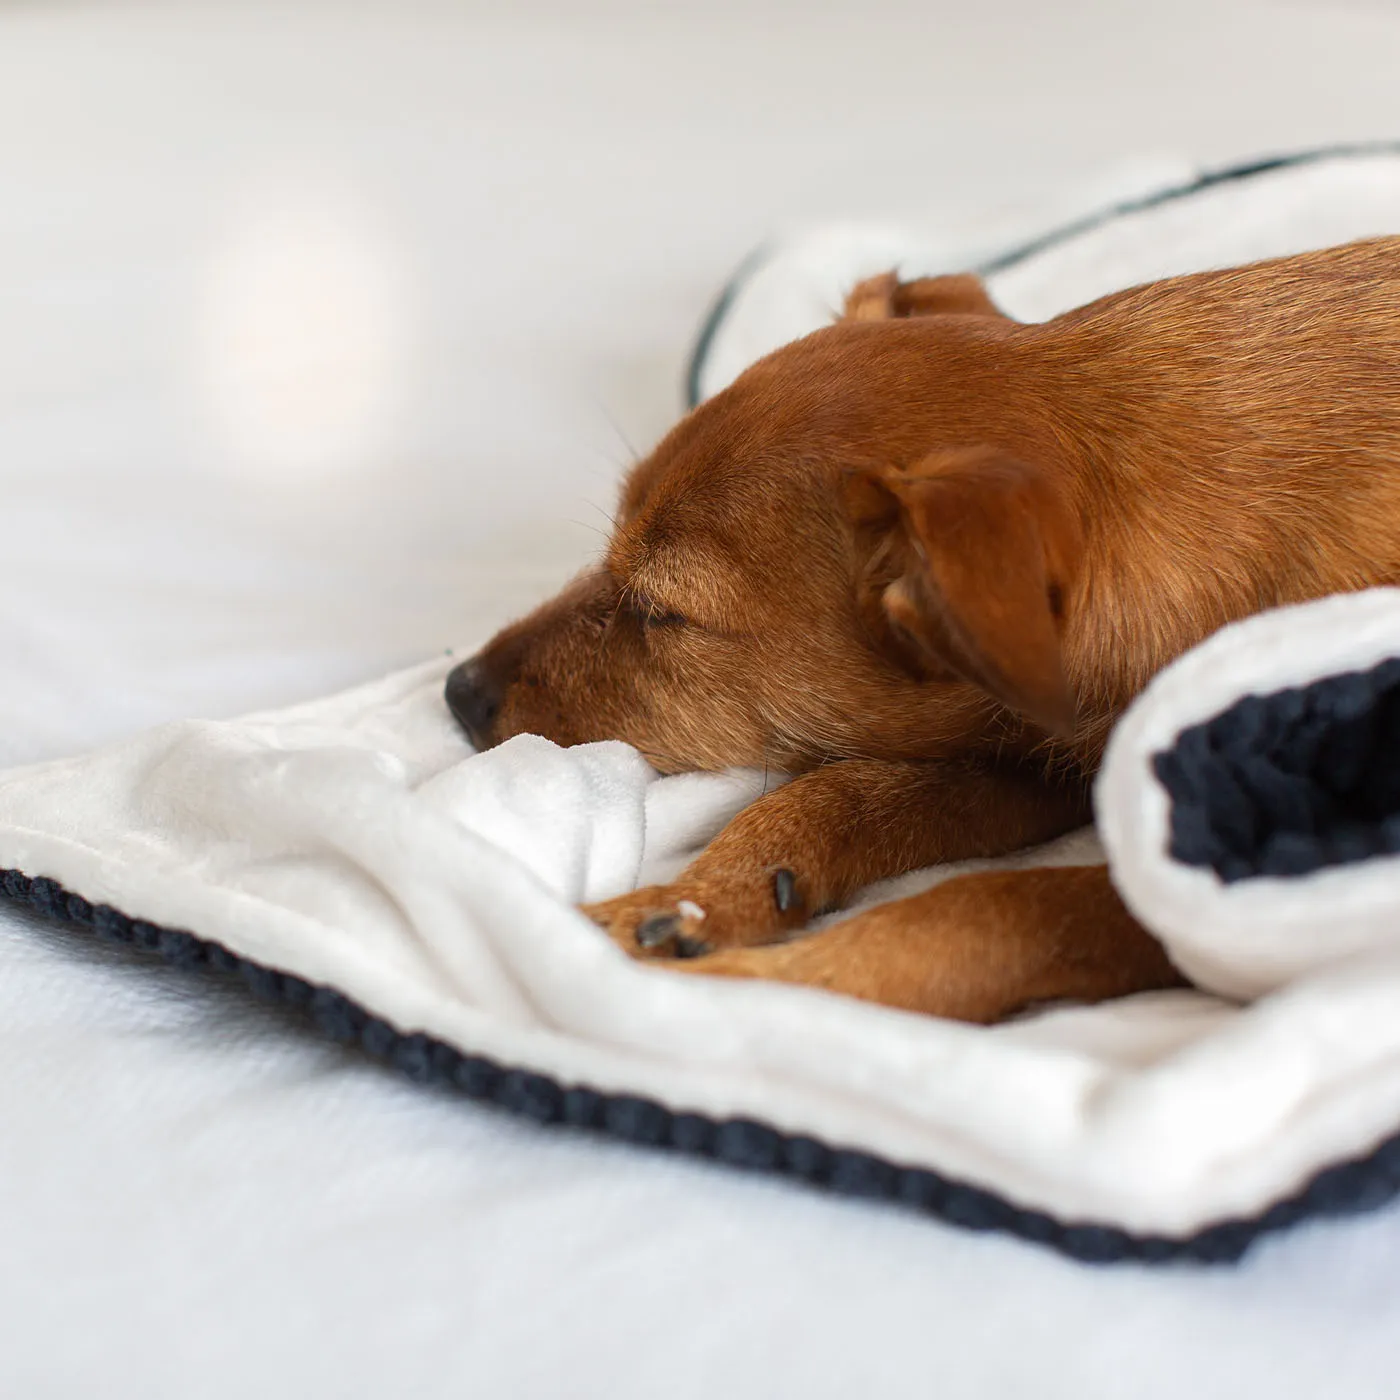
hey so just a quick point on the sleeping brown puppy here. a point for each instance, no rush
(922, 559)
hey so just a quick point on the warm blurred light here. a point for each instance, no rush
(303, 332)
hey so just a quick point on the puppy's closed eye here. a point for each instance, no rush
(649, 615)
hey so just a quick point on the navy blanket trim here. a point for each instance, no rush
(1290, 783)
(1344, 1189)
(709, 328)
(1227, 175)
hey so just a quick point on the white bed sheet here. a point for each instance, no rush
(314, 329)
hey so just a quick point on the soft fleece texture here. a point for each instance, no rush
(197, 1198)
(355, 843)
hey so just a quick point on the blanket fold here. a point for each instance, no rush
(353, 857)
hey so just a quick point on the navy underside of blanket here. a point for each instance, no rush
(1292, 782)
(1343, 1189)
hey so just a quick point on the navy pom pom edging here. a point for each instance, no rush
(1344, 1189)
(1291, 782)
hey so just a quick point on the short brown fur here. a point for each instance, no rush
(923, 559)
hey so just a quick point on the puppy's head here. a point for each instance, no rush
(793, 578)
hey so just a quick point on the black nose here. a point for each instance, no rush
(474, 697)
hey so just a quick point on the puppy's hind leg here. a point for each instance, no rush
(976, 948)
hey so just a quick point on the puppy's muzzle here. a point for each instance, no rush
(473, 694)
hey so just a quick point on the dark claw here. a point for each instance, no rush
(691, 947)
(659, 928)
(784, 890)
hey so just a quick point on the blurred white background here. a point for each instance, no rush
(324, 332)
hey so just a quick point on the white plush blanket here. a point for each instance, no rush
(356, 844)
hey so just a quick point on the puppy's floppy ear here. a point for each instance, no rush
(888, 566)
(985, 562)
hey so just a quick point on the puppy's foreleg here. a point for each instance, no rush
(811, 844)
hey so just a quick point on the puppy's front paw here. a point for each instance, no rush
(693, 917)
